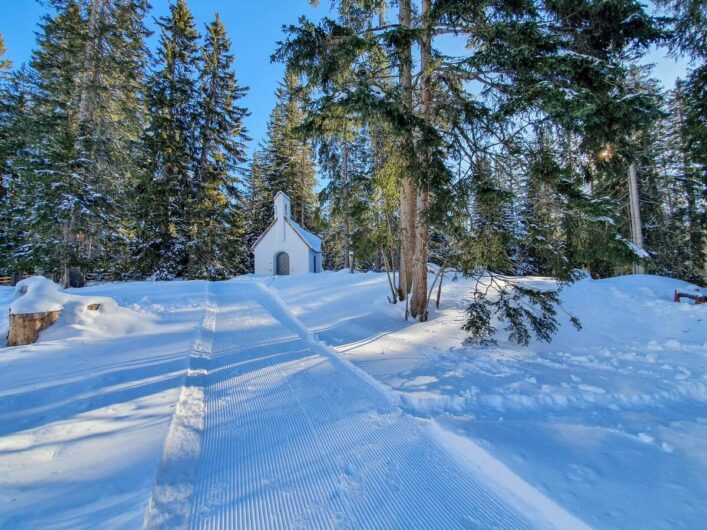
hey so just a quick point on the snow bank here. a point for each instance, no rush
(40, 295)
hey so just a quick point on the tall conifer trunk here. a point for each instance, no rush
(407, 189)
(418, 304)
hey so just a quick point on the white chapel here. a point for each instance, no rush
(285, 247)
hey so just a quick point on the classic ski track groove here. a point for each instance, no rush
(294, 437)
(174, 483)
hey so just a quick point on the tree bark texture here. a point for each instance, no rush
(407, 188)
(418, 304)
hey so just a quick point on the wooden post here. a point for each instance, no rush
(635, 209)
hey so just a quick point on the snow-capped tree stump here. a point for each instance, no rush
(25, 328)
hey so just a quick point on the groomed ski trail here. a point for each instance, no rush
(291, 436)
(174, 483)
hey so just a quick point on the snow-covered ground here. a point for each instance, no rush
(83, 420)
(607, 426)
(611, 422)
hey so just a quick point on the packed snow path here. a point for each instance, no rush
(275, 431)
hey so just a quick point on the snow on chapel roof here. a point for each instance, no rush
(312, 241)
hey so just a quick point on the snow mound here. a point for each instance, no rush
(37, 294)
(40, 295)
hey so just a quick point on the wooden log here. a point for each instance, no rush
(25, 328)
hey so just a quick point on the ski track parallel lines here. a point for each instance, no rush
(174, 483)
(294, 438)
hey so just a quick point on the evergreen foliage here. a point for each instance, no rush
(284, 163)
(219, 219)
(4, 63)
(506, 151)
(165, 240)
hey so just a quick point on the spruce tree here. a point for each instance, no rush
(346, 159)
(674, 205)
(218, 227)
(167, 189)
(83, 120)
(291, 166)
(689, 40)
(125, 63)
(16, 197)
(59, 198)
(260, 206)
(692, 172)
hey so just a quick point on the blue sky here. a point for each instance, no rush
(254, 27)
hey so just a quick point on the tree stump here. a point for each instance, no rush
(25, 328)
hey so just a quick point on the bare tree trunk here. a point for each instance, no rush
(438, 276)
(407, 189)
(418, 304)
(635, 208)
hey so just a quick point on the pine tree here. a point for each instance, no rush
(346, 159)
(688, 39)
(126, 59)
(260, 206)
(8, 115)
(291, 159)
(219, 217)
(545, 235)
(673, 205)
(166, 192)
